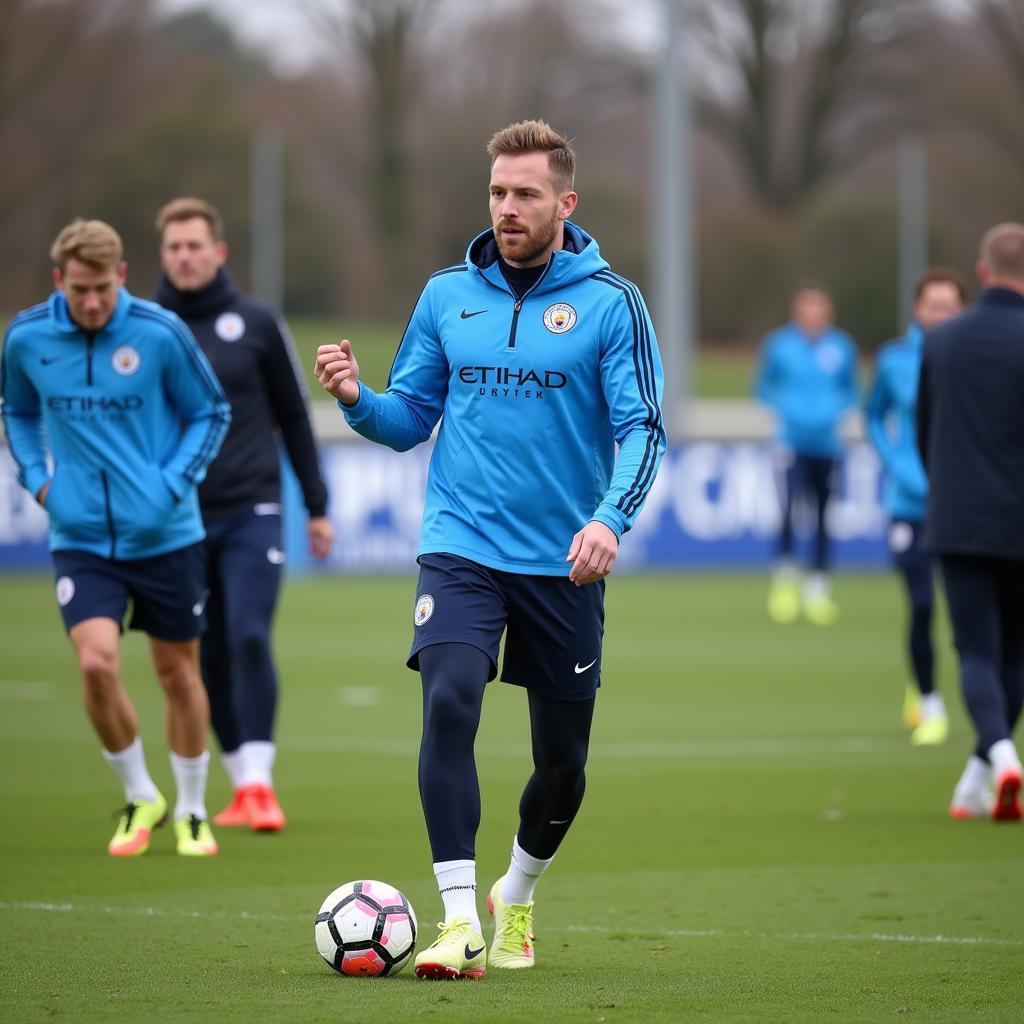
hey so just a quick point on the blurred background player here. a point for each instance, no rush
(807, 374)
(252, 354)
(524, 470)
(939, 294)
(133, 414)
(970, 426)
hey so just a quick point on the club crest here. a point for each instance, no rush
(559, 318)
(125, 360)
(424, 609)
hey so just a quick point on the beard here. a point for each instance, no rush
(531, 244)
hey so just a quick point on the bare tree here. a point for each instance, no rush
(781, 78)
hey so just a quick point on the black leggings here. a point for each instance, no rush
(808, 477)
(454, 676)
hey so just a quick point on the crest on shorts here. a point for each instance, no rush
(901, 537)
(125, 360)
(65, 590)
(559, 318)
(229, 326)
(424, 609)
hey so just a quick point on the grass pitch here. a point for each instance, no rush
(759, 841)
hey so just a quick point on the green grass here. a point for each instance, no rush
(717, 373)
(759, 842)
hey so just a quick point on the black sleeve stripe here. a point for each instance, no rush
(218, 422)
(458, 268)
(643, 363)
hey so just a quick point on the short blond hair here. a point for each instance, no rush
(537, 137)
(1002, 250)
(188, 208)
(92, 242)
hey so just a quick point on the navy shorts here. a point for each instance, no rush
(167, 592)
(553, 629)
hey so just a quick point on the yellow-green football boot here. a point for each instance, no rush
(932, 732)
(821, 610)
(911, 707)
(784, 599)
(512, 947)
(195, 837)
(135, 826)
(457, 952)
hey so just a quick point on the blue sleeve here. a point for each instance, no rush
(877, 409)
(23, 418)
(633, 382)
(407, 412)
(196, 394)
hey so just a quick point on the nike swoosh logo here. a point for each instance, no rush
(585, 667)
(466, 316)
(470, 953)
(46, 360)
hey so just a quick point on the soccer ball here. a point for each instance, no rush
(366, 928)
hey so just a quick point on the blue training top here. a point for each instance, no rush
(891, 411)
(535, 394)
(810, 383)
(133, 414)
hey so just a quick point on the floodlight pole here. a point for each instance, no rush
(670, 218)
(913, 217)
(266, 219)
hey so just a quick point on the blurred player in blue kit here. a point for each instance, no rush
(537, 360)
(807, 374)
(891, 409)
(133, 414)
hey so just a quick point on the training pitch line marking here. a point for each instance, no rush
(632, 750)
(633, 933)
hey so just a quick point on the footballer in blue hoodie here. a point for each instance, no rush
(807, 374)
(119, 392)
(537, 360)
(891, 408)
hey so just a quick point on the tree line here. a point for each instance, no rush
(108, 108)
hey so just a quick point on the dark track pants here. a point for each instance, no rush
(986, 606)
(244, 566)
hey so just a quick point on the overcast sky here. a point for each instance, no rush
(278, 27)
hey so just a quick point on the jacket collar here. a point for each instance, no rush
(579, 258)
(60, 315)
(1001, 297)
(214, 298)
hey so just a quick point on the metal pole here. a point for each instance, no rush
(267, 219)
(913, 216)
(671, 219)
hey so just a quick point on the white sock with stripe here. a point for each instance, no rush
(523, 873)
(190, 778)
(456, 881)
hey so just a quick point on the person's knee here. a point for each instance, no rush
(179, 679)
(250, 645)
(98, 664)
(450, 706)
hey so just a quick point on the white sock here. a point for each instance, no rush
(190, 778)
(932, 705)
(975, 776)
(258, 762)
(1003, 755)
(130, 766)
(234, 765)
(786, 571)
(456, 881)
(816, 586)
(522, 876)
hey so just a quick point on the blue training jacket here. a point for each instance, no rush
(133, 415)
(535, 394)
(891, 412)
(810, 383)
